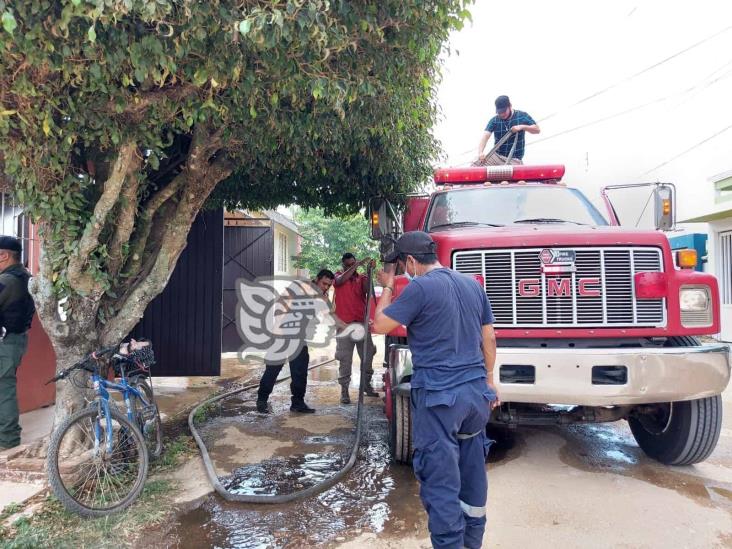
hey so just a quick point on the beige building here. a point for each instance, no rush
(717, 212)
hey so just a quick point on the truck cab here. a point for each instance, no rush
(594, 322)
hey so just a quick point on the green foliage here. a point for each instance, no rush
(325, 239)
(317, 102)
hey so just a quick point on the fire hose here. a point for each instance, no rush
(311, 490)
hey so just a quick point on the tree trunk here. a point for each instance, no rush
(71, 393)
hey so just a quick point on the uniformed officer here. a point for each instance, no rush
(449, 327)
(16, 313)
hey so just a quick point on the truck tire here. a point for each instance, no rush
(679, 433)
(400, 429)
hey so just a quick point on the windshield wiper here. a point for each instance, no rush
(465, 224)
(547, 220)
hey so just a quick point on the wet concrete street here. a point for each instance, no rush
(579, 486)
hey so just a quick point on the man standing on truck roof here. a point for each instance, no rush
(449, 326)
(351, 289)
(507, 120)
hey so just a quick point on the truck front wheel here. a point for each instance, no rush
(400, 429)
(678, 433)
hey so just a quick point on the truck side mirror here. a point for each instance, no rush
(664, 206)
(382, 219)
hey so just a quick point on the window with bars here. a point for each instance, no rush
(13, 222)
(724, 267)
(282, 259)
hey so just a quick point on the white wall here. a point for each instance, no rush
(714, 267)
(286, 254)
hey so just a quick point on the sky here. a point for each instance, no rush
(548, 56)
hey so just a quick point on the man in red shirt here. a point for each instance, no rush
(351, 289)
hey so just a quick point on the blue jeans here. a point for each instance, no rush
(449, 461)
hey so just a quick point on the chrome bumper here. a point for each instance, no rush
(564, 376)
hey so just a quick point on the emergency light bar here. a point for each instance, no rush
(508, 172)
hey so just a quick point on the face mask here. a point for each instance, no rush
(409, 276)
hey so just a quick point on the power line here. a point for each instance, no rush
(639, 73)
(635, 108)
(662, 164)
(702, 84)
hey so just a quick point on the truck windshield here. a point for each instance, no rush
(496, 206)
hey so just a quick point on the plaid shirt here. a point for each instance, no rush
(499, 128)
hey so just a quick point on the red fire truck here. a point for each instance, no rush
(594, 322)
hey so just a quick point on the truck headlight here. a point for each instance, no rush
(696, 306)
(694, 299)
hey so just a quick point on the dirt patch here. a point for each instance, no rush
(318, 424)
(235, 446)
(191, 481)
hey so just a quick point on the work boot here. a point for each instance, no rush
(300, 406)
(263, 407)
(345, 398)
(369, 391)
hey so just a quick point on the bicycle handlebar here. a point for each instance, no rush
(84, 364)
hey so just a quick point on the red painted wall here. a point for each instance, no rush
(37, 367)
(39, 361)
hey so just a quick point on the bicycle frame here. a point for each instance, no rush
(101, 387)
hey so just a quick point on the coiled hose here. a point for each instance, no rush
(316, 488)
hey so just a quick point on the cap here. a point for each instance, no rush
(10, 243)
(411, 243)
(502, 103)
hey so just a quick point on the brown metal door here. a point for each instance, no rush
(248, 253)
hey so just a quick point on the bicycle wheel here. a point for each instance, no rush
(88, 479)
(148, 417)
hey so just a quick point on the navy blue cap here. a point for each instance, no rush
(502, 103)
(411, 243)
(10, 243)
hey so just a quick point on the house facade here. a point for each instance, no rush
(717, 212)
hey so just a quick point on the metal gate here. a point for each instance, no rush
(248, 253)
(184, 322)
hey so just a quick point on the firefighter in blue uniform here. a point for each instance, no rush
(16, 313)
(449, 327)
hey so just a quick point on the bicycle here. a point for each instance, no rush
(98, 458)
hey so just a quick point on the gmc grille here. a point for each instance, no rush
(612, 268)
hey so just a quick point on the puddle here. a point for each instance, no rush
(377, 496)
(329, 372)
(610, 447)
(283, 475)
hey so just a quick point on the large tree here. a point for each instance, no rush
(326, 238)
(120, 119)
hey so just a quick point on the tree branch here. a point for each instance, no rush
(126, 162)
(139, 103)
(173, 242)
(125, 225)
(142, 233)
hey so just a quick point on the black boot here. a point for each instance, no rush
(300, 406)
(263, 407)
(345, 398)
(369, 391)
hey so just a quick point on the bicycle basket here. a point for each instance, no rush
(144, 359)
(136, 363)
